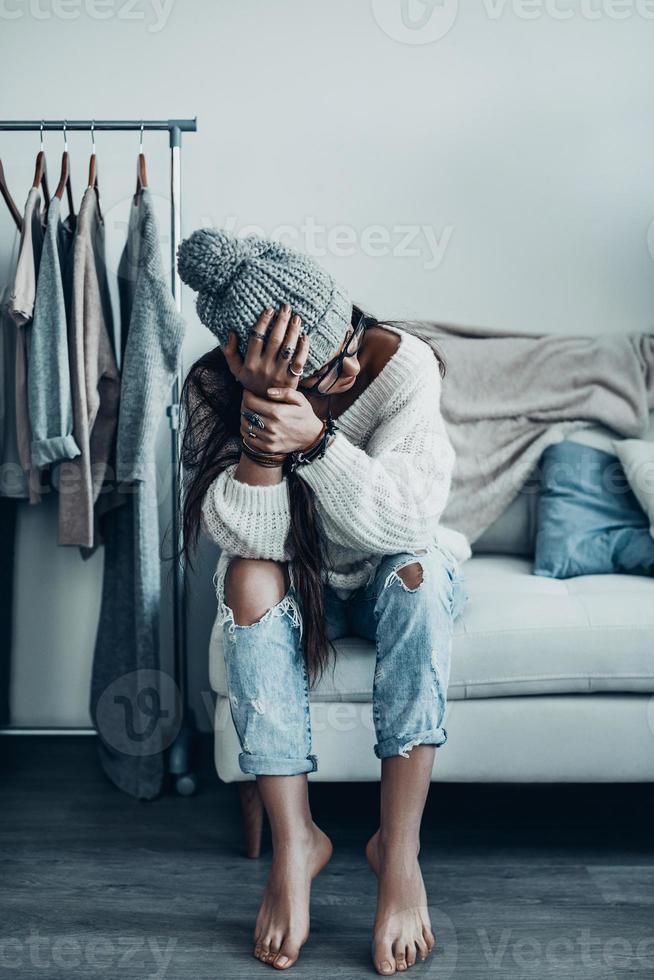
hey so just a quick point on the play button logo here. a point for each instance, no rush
(415, 21)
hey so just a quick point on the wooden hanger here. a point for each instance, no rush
(141, 170)
(41, 173)
(9, 201)
(64, 178)
(93, 170)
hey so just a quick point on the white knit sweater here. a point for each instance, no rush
(380, 488)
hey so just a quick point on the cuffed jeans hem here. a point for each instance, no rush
(400, 746)
(264, 765)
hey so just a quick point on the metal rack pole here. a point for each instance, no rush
(179, 753)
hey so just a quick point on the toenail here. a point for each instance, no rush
(386, 967)
(282, 961)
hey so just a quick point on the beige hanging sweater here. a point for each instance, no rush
(380, 488)
(95, 381)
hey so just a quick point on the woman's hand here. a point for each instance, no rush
(290, 421)
(266, 361)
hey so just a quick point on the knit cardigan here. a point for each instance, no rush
(380, 488)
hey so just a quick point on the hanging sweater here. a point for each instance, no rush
(23, 297)
(380, 488)
(127, 645)
(48, 383)
(95, 381)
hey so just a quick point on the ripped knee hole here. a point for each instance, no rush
(411, 576)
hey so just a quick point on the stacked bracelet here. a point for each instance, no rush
(263, 459)
(318, 448)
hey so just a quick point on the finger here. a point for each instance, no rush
(257, 437)
(264, 406)
(290, 339)
(299, 359)
(277, 331)
(256, 345)
(231, 354)
(288, 395)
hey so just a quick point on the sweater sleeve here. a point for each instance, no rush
(245, 520)
(48, 378)
(391, 497)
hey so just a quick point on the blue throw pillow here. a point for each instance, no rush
(589, 521)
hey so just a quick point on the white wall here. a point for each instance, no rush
(516, 153)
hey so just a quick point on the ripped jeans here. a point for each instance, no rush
(412, 631)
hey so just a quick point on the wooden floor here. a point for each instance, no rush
(523, 882)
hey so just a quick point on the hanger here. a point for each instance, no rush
(64, 179)
(41, 173)
(93, 169)
(141, 169)
(9, 201)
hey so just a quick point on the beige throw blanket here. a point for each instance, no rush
(507, 396)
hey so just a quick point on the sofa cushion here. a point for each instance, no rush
(637, 458)
(514, 531)
(520, 634)
(589, 520)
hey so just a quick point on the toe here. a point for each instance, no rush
(422, 948)
(410, 954)
(400, 957)
(274, 950)
(286, 957)
(263, 950)
(429, 938)
(383, 959)
(385, 967)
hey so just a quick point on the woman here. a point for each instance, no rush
(317, 458)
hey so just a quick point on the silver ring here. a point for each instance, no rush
(296, 374)
(254, 418)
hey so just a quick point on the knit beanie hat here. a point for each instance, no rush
(237, 278)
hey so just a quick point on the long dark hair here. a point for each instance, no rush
(211, 419)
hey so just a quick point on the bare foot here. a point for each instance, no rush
(402, 931)
(283, 922)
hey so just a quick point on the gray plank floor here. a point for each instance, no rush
(524, 882)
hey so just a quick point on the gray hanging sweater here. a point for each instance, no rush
(127, 645)
(48, 382)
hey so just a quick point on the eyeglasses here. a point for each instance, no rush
(332, 371)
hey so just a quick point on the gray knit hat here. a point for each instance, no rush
(237, 278)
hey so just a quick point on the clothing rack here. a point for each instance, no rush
(179, 752)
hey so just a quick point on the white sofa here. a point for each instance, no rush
(552, 681)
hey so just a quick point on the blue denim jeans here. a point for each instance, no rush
(412, 632)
